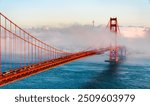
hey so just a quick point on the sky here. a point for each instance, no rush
(35, 13)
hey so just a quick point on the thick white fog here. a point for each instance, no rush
(81, 37)
(75, 37)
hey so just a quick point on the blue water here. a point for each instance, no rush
(91, 73)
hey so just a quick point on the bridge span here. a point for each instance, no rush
(26, 71)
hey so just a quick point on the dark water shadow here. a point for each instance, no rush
(104, 79)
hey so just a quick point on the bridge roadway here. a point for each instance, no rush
(26, 71)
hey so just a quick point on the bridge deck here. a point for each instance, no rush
(26, 71)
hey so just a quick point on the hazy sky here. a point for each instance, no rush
(29, 13)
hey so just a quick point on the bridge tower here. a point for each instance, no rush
(113, 25)
(114, 50)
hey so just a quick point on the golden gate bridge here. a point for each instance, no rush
(34, 56)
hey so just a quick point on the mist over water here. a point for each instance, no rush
(137, 41)
(75, 37)
(81, 37)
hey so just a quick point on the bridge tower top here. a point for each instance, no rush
(113, 25)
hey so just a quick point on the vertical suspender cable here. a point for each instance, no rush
(5, 46)
(0, 47)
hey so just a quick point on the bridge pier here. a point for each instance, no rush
(116, 55)
(113, 56)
